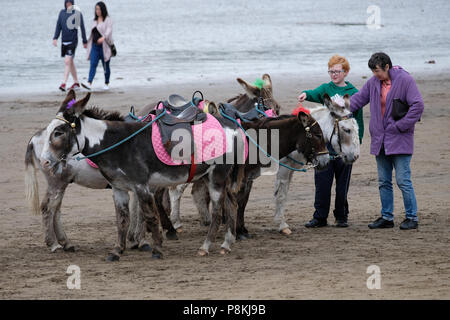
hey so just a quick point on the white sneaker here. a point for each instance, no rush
(105, 87)
(86, 86)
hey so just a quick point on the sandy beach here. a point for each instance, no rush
(325, 263)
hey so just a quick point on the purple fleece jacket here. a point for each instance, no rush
(397, 136)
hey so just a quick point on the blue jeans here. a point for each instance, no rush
(96, 56)
(400, 163)
(323, 180)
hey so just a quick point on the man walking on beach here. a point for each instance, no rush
(395, 106)
(69, 20)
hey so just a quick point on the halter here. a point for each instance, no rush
(72, 132)
(338, 119)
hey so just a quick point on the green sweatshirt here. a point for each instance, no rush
(331, 89)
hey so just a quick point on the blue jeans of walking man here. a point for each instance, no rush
(401, 164)
(96, 56)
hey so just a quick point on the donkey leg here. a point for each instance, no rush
(201, 198)
(175, 194)
(49, 208)
(60, 234)
(121, 199)
(284, 177)
(242, 200)
(216, 188)
(171, 233)
(148, 210)
(134, 207)
(229, 208)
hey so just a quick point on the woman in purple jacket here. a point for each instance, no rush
(392, 142)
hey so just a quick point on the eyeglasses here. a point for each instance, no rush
(331, 72)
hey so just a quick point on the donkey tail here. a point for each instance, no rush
(31, 183)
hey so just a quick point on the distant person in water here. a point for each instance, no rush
(99, 44)
(69, 20)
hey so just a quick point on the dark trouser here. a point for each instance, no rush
(96, 56)
(324, 181)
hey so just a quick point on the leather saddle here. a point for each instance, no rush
(183, 114)
(249, 116)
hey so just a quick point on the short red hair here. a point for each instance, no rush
(337, 59)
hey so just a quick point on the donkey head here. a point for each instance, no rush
(312, 144)
(344, 137)
(61, 134)
(263, 91)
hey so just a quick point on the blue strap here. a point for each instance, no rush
(124, 140)
(258, 146)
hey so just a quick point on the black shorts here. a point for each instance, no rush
(68, 50)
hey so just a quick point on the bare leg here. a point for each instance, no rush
(200, 194)
(67, 66)
(73, 71)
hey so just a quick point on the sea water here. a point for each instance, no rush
(186, 41)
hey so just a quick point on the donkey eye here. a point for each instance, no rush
(57, 134)
(347, 130)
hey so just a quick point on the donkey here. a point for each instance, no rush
(134, 166)
(79, 172)
(339, 128)
(242, 102)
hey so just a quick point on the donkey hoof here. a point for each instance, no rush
(156, 255)
(145, 248)
(242, 236)
(171, 235)
(180, 230)
(286, 231)
(202, 252)
(134, 246)
(224, 251)
(69, 248)
(112, 257)
(55, 247)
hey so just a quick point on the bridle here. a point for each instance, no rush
(73, 134)
(338, 119)
(309, 137)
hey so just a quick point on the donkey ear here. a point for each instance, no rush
(347, 101)
(78, 107)
(69, 97)
(251, 90)
(267, 82)
(212, 109)
(303, 117)
(327, 100)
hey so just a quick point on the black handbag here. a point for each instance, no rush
(399, 109)
(113, 50)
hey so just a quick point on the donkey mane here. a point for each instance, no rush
(267, 123)
(240, 99)
(101, 114)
